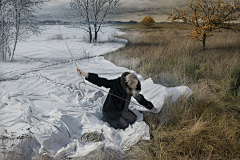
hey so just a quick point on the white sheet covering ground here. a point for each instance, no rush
(47, 98)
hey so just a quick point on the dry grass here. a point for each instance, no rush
(207, 124)
(126, 27)
(102, 154)
(56, 37)
(16, 147)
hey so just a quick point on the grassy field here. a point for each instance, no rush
(207, 124)
(127, 27)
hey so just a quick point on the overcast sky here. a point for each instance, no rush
(129, 9)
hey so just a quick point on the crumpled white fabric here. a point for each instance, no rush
(57, 117)
(59, 130)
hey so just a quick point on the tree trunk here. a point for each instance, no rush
(204, 41)
(17, 27)
(5, 46)
(14, 48)
(96, 35)
(90, 34)
(95, 32)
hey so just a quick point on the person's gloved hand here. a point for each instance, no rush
(154, 109)
(150, 105)
(82, 73)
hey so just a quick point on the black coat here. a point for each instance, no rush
(113, 106)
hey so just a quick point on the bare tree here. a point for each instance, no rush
(82, 10)
(17, 23)
(102, 11)
(5, 27)
(94, 14)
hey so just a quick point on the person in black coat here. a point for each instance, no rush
(115, 110)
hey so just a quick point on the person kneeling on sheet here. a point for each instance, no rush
(115, 110)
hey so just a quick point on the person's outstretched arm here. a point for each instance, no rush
(141, 100)
(99, 81)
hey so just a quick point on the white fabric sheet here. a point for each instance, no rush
(57, 117)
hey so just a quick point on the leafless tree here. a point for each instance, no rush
(5, 27)
(81, 10)
(94, 14)
(18, 21)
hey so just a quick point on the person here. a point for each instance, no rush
(115, 110)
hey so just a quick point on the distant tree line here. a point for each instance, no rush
(54, 22)
(59, 22)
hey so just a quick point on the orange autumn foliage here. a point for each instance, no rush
(148, 21)
(206, 16)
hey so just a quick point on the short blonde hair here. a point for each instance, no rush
(131, 79)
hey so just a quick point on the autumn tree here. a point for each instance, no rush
(206, 16)
(148, 21)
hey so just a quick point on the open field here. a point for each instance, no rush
(157, 25)
(125, 27)
(207, 124)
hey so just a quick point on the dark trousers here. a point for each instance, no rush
(123, 122)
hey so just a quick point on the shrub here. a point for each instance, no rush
(56, 37)
(148, 21)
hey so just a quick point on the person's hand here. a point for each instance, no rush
(82, 73)
(154, 109)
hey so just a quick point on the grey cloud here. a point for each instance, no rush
(154, 3)
(138, 9)
(129, 9)
(58, 12)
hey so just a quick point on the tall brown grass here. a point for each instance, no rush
(207, 124)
